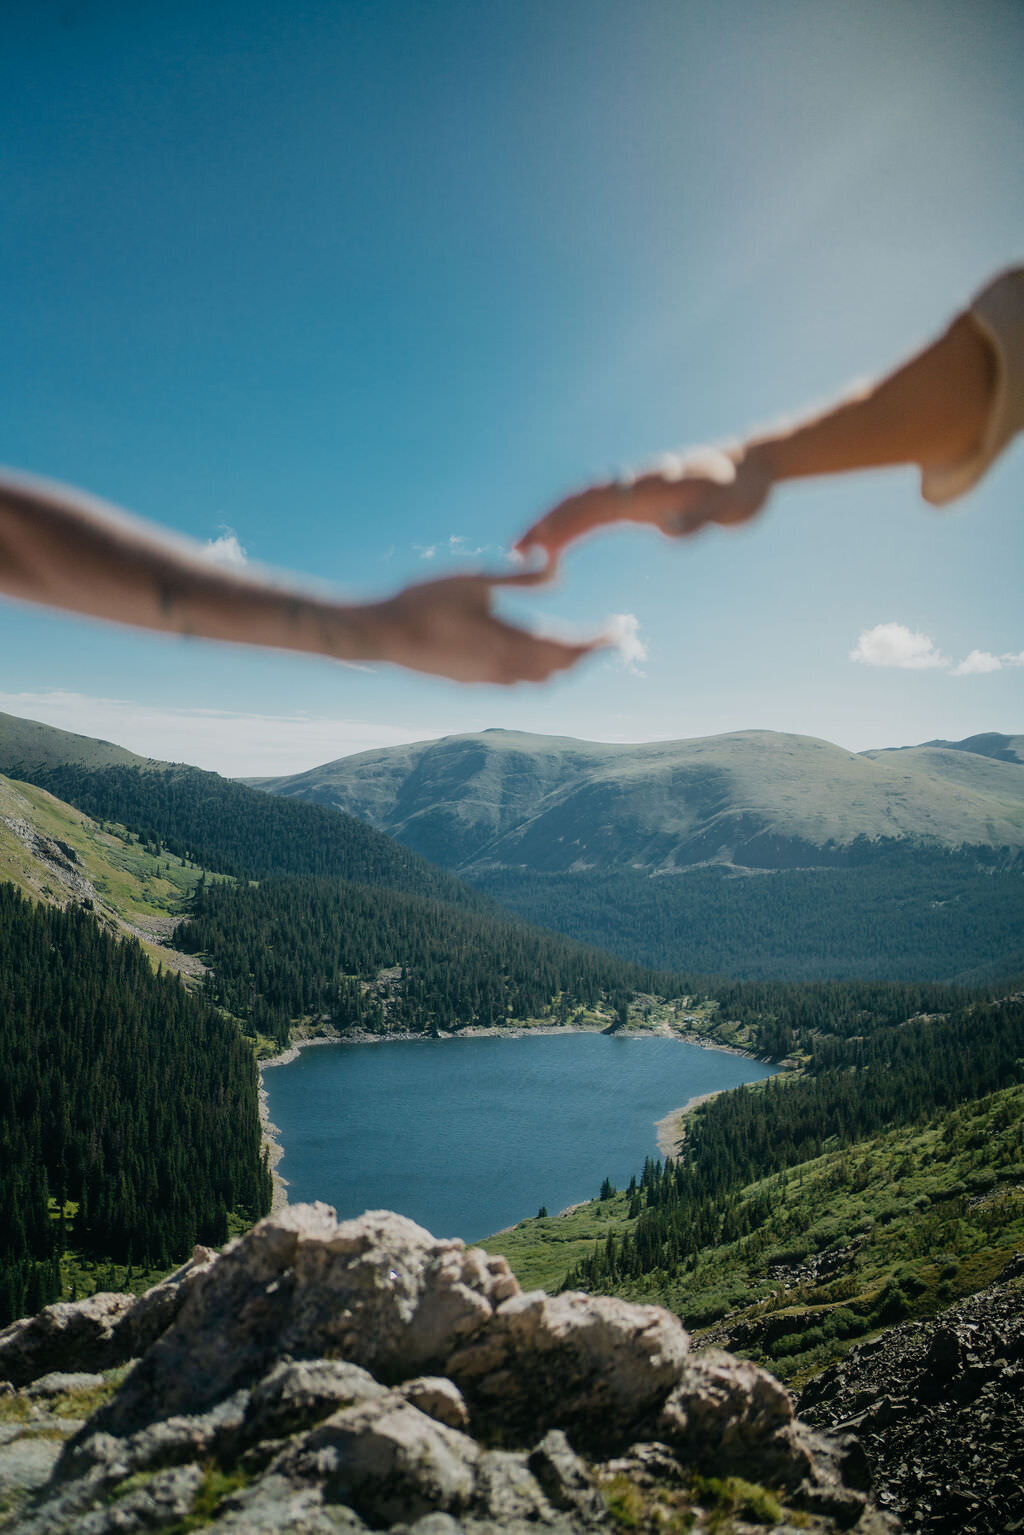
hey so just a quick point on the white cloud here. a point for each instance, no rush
(896, 645)
(977, 662)
(458, 545)
(235, 743)
(455, 545)
(226, 549)
(623, 629)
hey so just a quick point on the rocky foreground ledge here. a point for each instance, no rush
(320, 1376)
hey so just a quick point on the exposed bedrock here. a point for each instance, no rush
(322, 1375)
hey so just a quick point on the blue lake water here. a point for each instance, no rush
(467, 1136)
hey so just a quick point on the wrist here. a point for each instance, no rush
(340, 631)
(762, 458)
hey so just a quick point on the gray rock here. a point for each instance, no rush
(274, 1504)
(265, 1368)
(729, 1416)
(431, 1524)
(97, 1333)
(60, 1382)
(26, 1460)
(506, 1491)
(378, 1291)
(300, 1392)
(165, 1499)
(387, 1460)
(70, 1335)
(592, 1365)
(438, 1398)
(155, 1310)
(565, 1479)
(172, 1441)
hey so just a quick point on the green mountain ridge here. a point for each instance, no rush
(754, 855)
(324, 907)
(28, 743)
(753, 799)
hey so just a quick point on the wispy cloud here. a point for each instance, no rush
(233, 742)
(909, 649)
(896, 645)
(226, 548)
(623, 629)
(455, 545)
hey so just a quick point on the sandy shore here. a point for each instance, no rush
(670, 1130)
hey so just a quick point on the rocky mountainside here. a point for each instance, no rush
(318, 1377)
(755, 798)
(56, 854)
(939, 1409)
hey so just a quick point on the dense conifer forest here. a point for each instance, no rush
(124, 1101)
(854, 1086)
(289, 948)
(232, 829)
(909, 915)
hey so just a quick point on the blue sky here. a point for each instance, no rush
(359, 281)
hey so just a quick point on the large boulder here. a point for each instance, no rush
(378, 1291)
(592, 1365)
(98, 1333)
(322, 1376)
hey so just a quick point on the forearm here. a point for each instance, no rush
(930, 410)
(62, 550)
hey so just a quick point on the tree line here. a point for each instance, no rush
(907, 916)
(122, 1098)
(232, 829)
(288, 948)
(854, 1086)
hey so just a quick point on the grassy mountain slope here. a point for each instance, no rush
(758, 799)
(884, 1180)
(989, 743)
(29, 744)
(56, 854)
(896, 1225)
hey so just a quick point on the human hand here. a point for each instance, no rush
(684, 495)
(448, 628)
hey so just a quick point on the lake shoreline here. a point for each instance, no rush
(663, 1126)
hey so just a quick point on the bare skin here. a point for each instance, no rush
(66, 550)
(931, 410)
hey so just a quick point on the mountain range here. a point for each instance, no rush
(756, 799)
(899, 863)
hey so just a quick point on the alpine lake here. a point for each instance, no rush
(469, 1135)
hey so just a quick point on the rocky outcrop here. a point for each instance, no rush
(321, 1376)
(98, 1333)
(939, 1409)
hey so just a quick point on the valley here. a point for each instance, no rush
(162, 929)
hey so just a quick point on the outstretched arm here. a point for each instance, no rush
(66, 550)
(948, 409)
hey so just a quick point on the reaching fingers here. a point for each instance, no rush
(575, 516)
